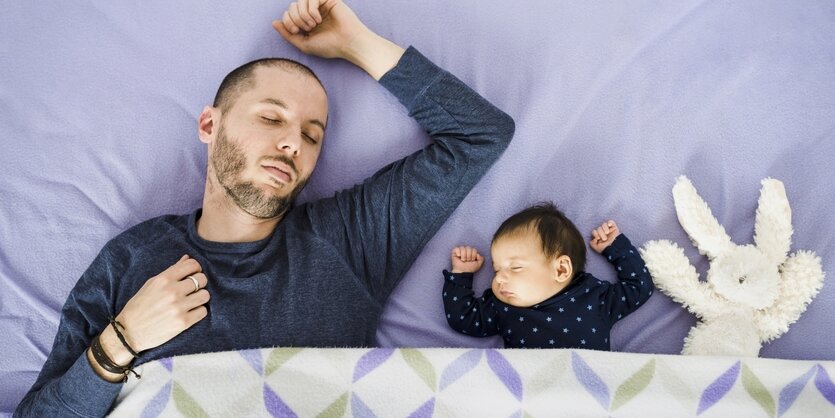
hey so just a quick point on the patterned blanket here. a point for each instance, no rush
(385, 382)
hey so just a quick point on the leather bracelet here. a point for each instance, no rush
(107, 364)
(116, 325)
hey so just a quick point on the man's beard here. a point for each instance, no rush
(229, 161)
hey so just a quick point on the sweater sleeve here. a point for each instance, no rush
(67, 384)
(464, 312)
(634, 286)
(381, 225)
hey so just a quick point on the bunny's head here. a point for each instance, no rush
(742, 274)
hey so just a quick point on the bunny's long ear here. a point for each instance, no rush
(698, 221)
(773, 227)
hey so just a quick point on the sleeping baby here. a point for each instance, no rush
(540, 296)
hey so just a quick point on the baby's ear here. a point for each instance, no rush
(773, 226)
(698, 221)
(563, 268)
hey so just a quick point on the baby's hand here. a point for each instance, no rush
(466, 260)
(604, 235)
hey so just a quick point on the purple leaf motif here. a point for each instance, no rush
(158, 403)
(824, 385)
(253, 357)
(168, 363)
(370, 361)
(789, 393)
(359, 408)
(275, 406)
(719, 388)
(505, 372)
(425, 410)
(459, 367)
(590, 380)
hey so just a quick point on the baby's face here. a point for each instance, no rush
(524, 276)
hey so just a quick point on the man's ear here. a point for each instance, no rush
(563, 269)
(207, 124)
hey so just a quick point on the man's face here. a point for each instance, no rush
(269, 139)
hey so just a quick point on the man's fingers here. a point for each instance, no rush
(313, 10)
(288, 24)
(595, 235)
(181, 269)
(295, 16)
(304, 13)
(282, 30)
(195, 315)
(201, 297)
(186, 285)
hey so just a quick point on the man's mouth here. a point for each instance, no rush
(279, 171)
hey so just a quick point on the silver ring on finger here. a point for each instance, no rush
(196, 283)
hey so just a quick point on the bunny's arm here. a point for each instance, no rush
(801, 277)
(675, 276)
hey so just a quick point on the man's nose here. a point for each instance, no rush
(289, 144)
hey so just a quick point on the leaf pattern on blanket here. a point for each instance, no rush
(158, 402)
(424, 411)
(634, 385)
(505, 372)
(335, 409)
(371, 361)
(455, 382)
(790, 393)
(824, 385)
(421, 366)
(275, 406)
(186, 404)
(757, 390)
(459, 367)
(590, 380)
(719, 388)
(278, 357)
(253, 358)
(359, 409)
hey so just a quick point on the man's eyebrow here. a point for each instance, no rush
(281, 104)
(276, 102)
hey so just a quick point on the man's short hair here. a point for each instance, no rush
(558, 234)
(241, 79)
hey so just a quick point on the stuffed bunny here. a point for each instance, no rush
(752, 292)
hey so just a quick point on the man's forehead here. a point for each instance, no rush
(289, 90)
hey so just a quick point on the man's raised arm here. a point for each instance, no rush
(381, 225)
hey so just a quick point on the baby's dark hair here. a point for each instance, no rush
(558, 234)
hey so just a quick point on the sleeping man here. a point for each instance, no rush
(249, 269)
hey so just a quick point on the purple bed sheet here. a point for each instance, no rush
(612, 101)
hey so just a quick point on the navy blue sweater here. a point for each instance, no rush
(320, 280)
(579, 316)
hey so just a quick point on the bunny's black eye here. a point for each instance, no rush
(742, 279)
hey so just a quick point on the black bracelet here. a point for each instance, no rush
(116, 325)
(107, 364)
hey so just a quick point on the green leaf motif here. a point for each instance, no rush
(634, 385)
(278, 357)
(336, 409)
(421, 365)
(186, 404)
(757, 390)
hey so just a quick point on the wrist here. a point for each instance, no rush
(373, 53)
(114, 348)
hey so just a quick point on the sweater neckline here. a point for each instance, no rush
(223, 247)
